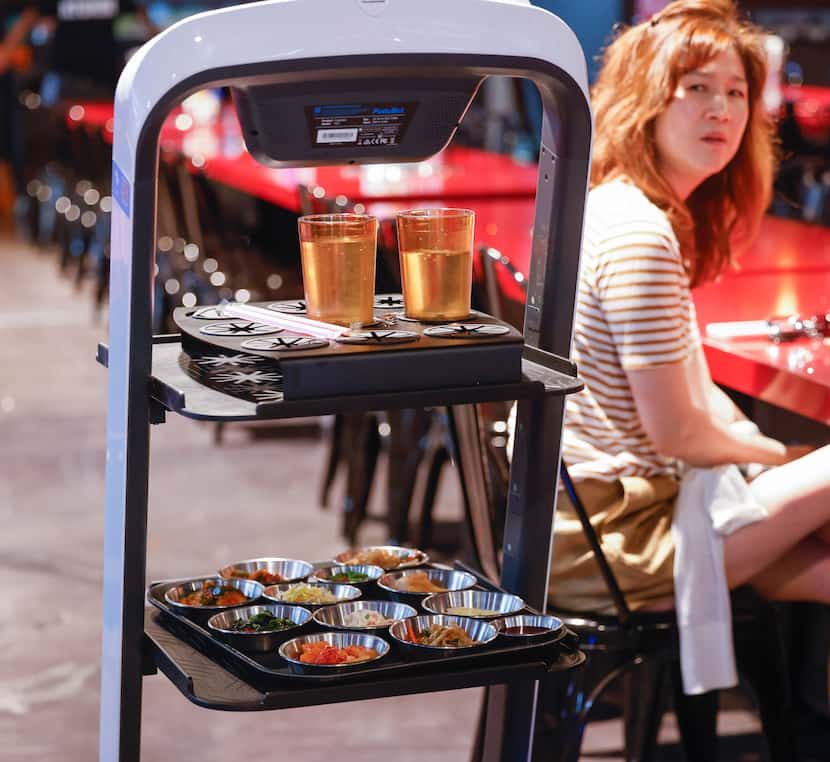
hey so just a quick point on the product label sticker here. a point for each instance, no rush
(121, 189)
(358, 124)
(373, 7)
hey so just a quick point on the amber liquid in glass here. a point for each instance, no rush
(339, 279)
(437, 283)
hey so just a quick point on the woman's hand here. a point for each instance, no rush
(794, 452)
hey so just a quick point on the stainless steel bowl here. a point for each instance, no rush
(450, 579)
(222, 626)
(546, 626)
(341, 594)
(291, 650)
(336, 616)
(250, 589)
(373, 573)
(408, 557)
(290, 569)
(490, 604)
(404, 632)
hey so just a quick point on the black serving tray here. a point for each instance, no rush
(208, 684)
(429, 361)
(266, 672)
(217, 385)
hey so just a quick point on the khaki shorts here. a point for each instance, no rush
(632, 518)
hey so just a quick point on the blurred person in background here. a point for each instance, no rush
(14, 56)
(86, 57)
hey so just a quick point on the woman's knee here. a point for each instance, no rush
(802, 484)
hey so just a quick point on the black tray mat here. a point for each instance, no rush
(269, 670)
(191, 330)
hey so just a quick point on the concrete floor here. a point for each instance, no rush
(208, 506)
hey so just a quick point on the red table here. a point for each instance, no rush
(794, 375)
(457, 173)
(458, 176)
(786, 271)
(503, 224)
(787, 246)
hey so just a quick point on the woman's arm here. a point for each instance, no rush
(719, 403)
(678, 417)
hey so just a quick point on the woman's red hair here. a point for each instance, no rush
(640, 73)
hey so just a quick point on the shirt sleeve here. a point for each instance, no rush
(643, 292)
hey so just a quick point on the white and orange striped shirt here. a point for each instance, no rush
(634, 311)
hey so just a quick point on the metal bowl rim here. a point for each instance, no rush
(337, 633)
(327, 588)
(499, 614)
(404, 572)
(324, 581)
(499, 624)
(420, 556)
(233, 581)
(267, 559)
(456, 620)
(241, 611)
(362, 605)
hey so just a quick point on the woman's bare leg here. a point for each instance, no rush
(801, 574)
(797, 496)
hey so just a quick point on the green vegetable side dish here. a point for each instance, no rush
(349, 576)
(262, 622)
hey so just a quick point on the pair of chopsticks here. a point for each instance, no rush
(294, 323)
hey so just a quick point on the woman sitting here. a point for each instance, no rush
(681, 176)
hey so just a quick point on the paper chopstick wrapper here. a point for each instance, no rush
(293, 323)
(738, 329)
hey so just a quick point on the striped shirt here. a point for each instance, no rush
(634, 311)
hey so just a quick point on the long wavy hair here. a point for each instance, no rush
(640, 73)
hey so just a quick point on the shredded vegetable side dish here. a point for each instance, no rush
(303, 593)
(441, 636)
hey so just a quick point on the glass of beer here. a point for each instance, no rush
(436, 250)
(338, 255)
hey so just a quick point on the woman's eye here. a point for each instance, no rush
(697, 88)
(737, 93)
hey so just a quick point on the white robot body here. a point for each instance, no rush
(309, 29)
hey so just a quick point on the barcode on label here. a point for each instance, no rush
(337, 136)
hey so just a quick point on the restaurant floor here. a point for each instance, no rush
(208, 505)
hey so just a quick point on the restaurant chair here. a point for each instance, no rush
(488, 293)
(39, 134)
(638, 649)
(86, 182)
(97, 208)
(642, 649)
(388, 271)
